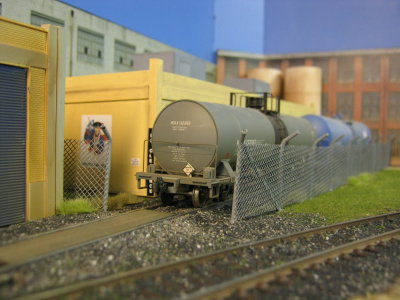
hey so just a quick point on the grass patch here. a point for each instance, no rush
(364, 195)
(76, 206)
(118, 201)
(363, 179)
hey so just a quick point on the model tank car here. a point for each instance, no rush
(195, 146)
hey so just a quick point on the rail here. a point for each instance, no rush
(241, 285)
(157, 271)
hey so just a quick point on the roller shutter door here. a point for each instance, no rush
(13, 102)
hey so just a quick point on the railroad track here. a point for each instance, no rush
(50, 243)
(241, 287)
(47, 244)
(216, 274)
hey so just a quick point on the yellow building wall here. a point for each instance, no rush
(134, 99)
(39, 50)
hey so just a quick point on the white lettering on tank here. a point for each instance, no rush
(178, 153)
(180, 125)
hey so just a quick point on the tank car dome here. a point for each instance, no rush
(335, 128)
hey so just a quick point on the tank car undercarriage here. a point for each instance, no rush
(174, 188)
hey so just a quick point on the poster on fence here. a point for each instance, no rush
(96, 131)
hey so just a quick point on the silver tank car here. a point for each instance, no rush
(195, 144)
(202, 134)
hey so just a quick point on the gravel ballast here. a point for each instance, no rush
(18, 232)
(176, 283)
(345, 278)
(22, 231)
(169, 240)
(199, 232)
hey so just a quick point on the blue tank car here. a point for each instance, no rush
(333, 127)
(361, 133)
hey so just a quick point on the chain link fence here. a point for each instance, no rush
(269, 177)
(87, 168)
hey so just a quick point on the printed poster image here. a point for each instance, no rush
(96, 134)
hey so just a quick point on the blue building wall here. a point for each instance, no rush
(293, 26)
(201, 27)
(239, 25)
(184, 24)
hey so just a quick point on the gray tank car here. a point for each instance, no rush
(195, 144)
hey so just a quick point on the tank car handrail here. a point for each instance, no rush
(337, 140)
(289, 137)
(320, 139)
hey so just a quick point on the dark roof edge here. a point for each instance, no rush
(237, 54)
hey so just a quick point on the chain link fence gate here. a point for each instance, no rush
(269, 177)
(87, 171)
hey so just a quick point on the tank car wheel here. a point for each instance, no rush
(199, 196)
(165, 197)
(196, 197)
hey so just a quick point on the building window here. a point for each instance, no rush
(231, 67)
(123, 56)
(370, 106)
(296, 62)
(252, 64)
(0, 8)
(344, 105)
(371, 69)
(394, 137)
(375, 135)
(394, 106)
(394, 68)
(90, 46)
(39, 19)
(147, 51)
(322, 63)
(345, 69)
(324, 104)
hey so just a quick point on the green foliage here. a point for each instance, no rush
(76, 206)
(364, 195)
(363, 179)
(118, 201)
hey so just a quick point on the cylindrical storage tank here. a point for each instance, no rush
(272, 76)
(201, 134)
(361, 133)
(307, 131)
(333, 127)
(303, 85)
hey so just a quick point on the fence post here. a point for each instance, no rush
(312, 155)
(333, 171)
(107, 176)
(239, 147)
(284, 142)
